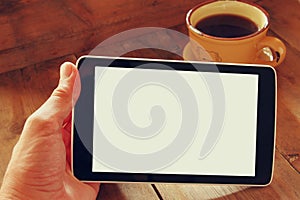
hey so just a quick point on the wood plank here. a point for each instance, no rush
(153, 43)
(288, 137)
(288, 81)
(288, 106)
(21, 93)
(36, 31)
(126, 191)
(281, 187)
(32, 35)
(195, 191)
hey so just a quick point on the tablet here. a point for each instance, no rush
(144, 120)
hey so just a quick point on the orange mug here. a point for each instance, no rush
(211, 39)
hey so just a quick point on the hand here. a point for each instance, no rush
(40, 164)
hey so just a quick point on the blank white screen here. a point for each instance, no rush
(234, 152)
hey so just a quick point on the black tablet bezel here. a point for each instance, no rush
(266, 118)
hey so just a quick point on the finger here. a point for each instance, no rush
(68, 119)
(53, 112)
(87, 188)
(66, 135)
(67, 141)
(95, 186)
(66, 94)
(67, 125)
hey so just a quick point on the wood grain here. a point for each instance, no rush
(281, 187)
(288, 137)
(41, 31)
(126, 191)
(21, 93)
(37, 36)
(288, 110)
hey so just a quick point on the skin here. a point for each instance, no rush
(40, 164)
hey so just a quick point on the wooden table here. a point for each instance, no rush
(37, 36)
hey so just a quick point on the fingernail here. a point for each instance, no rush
(66, 71)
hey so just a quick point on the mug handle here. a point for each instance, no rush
(277, 47)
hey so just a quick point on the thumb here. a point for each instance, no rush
(63, 98)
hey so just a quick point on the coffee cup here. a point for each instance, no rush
(232, 31)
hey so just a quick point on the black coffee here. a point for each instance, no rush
(226, 26)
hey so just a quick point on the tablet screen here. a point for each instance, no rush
(147, 121)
